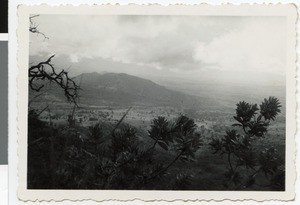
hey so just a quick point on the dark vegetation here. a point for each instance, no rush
(112, 156)
(171, 154)
(241, 154)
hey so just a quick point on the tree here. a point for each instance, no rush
(181, 136)
(136, 168)
(237, 144)
(45, 142)
(45, 73)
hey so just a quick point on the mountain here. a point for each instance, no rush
(124, 89)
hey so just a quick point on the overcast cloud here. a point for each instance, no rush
(175, 44)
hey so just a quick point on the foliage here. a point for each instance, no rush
(115, 157)
(112, 161)
(160, 132)
(270, 108)
(238, 145)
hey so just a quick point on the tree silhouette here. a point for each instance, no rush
(48, 147)
(44, 72)
(238, 146)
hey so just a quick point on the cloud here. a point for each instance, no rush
(259, 46)
(172, 43)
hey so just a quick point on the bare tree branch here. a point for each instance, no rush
(46, 71)
(33, 27)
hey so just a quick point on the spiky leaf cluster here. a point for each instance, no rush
(270, 108)
(245, 112)
(160, 132)
(255, 121)
(180, 134)
(237, 144)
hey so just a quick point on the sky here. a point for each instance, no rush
(233, 48)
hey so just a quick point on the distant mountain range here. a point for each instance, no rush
(123, 89)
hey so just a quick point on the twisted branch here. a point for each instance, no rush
(46, 71)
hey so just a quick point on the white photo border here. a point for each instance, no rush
(288, 10)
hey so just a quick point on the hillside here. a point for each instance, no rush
(123, 89)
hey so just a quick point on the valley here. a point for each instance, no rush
(107, 101)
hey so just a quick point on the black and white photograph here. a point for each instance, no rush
(157, 102)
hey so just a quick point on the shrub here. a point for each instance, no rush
(238, 146)
(113, 161)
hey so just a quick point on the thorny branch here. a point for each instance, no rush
(46, 71)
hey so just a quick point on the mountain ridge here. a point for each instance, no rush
(122, 88)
